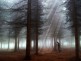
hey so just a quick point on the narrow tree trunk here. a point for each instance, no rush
(9, 40)
(55, 44)
(16, 36)
(59, 45)
(8, 43)
(36, 37)
(34, 47)
(28, 38)
(15, 43)
(76, 29)
(37, 28)
(77, 43)
(36, 41)
(1, 44)
(18, 44)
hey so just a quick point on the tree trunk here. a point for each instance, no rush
(28, 38)
(8, 43)
(1, 44)
(55, 44)
(36, 37)
(34, 47)
(76, 43)
(18, 44)
(59, 45)
(9, 40)
(37, 29)
(52, 42)
(15, 43)
(36, 41)
(76, 29)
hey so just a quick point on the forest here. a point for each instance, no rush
(40, 30)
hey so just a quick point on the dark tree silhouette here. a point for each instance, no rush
(74, 18)
(36, 22)
(28, 39)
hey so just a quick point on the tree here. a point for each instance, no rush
(36, 22)
(28, 43)
(74, 19)
(19, 20)
(16, 27)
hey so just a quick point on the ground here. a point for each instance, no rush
(65, 55)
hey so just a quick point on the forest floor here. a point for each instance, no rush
(66, 55)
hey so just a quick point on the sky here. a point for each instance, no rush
(8, 3)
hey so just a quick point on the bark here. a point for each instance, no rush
(55, 44)
(18, 44)
(60, 45)
(28, 38)
(15, 43)
(76, 29)
(37, 29)
(76, 43)
(34, 47)
(52, 42)
(8, 43)
(37, 42)
(16, 39)
(9, 40)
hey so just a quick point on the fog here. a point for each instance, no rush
(54, 17)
